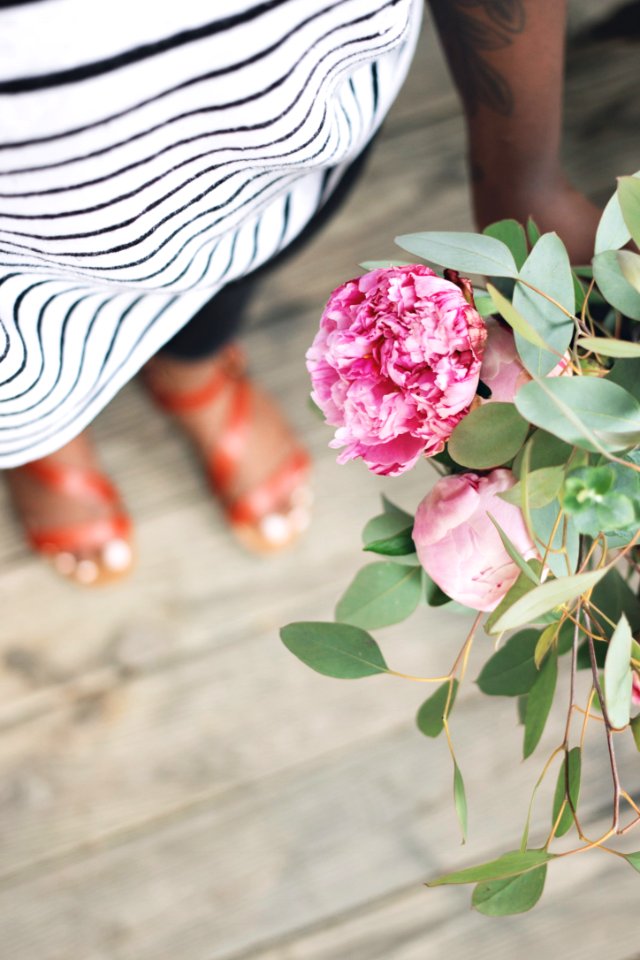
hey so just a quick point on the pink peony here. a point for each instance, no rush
(395, 365)
(635, 690)
(458, 545)
(502, 370)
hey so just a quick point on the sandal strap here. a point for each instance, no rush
(231, 447)
(80, 536)
(74, 482)
(259, 502)
(188, 401)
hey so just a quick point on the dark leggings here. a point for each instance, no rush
(220, 319)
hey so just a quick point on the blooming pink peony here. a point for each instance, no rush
(395, 365)
(458, 545)
(502, 370)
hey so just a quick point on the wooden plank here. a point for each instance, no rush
(584, 913)
(263, 860)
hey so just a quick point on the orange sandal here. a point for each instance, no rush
(254, 516)
(110, 536)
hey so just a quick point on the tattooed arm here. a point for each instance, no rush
(507, 59)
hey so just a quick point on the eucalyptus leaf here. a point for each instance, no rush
(514, 554)
(618, 676)
(484, 304)
(629, 197)
(398, 545)
(379, 595)
(511, 671)
(548, 270)
(566, 535)
(546, 597)
(570, 773)
(460, 801)
(612, 232)
(523, 585)
(539, 704)
(512, 234)
(588, 412)
(469, 252)
(334, 649)
(614, 286)
(543, 486)
(501, 898)
(385, 525)
(609, 347)
(511, 864)
(629, 263)
(635, 730)
(488, 436)
(634, 860)
(533, 232)
(430, 716)
(515, 319)
(546, 641)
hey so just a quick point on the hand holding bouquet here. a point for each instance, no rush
(523, 392)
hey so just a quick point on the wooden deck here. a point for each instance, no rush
(173, 783)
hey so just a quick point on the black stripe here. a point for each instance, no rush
(99, 67)
(228, 105)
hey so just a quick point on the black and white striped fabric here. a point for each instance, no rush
(149, 154)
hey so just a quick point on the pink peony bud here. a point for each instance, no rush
(635, 690)
(395, 365)
(502, 370)
(458, 545)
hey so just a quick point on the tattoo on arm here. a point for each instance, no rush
(468, 38)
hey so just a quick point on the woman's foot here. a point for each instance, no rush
(72, 514)
(257, 467)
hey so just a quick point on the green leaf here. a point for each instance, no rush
(614, 287)
(488, 436)
(587, 412)
(385, 525)
(511, 864)
(522, 586)
(433, 595)
(539, 704)
(548, 269)
(634, 860)
(334, 649)
(430, 715)
(394, 510)
(380, 594)
(635, 730)
(469, 252)
(543, 487)
(546, 597)
(512, 550)
(515, 320)
(460, 800)
(484, 304)
(614, 596)
(511, 671)
(546, 641)
(543, 521)
(618, 676)
(629, 197)
(398, 545)
(512, 234)
(608, 347)
(612, 232)
(570, 772)
(533, 232)
(629, 264)
(501, 898)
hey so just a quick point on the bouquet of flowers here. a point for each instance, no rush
(523, 392)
